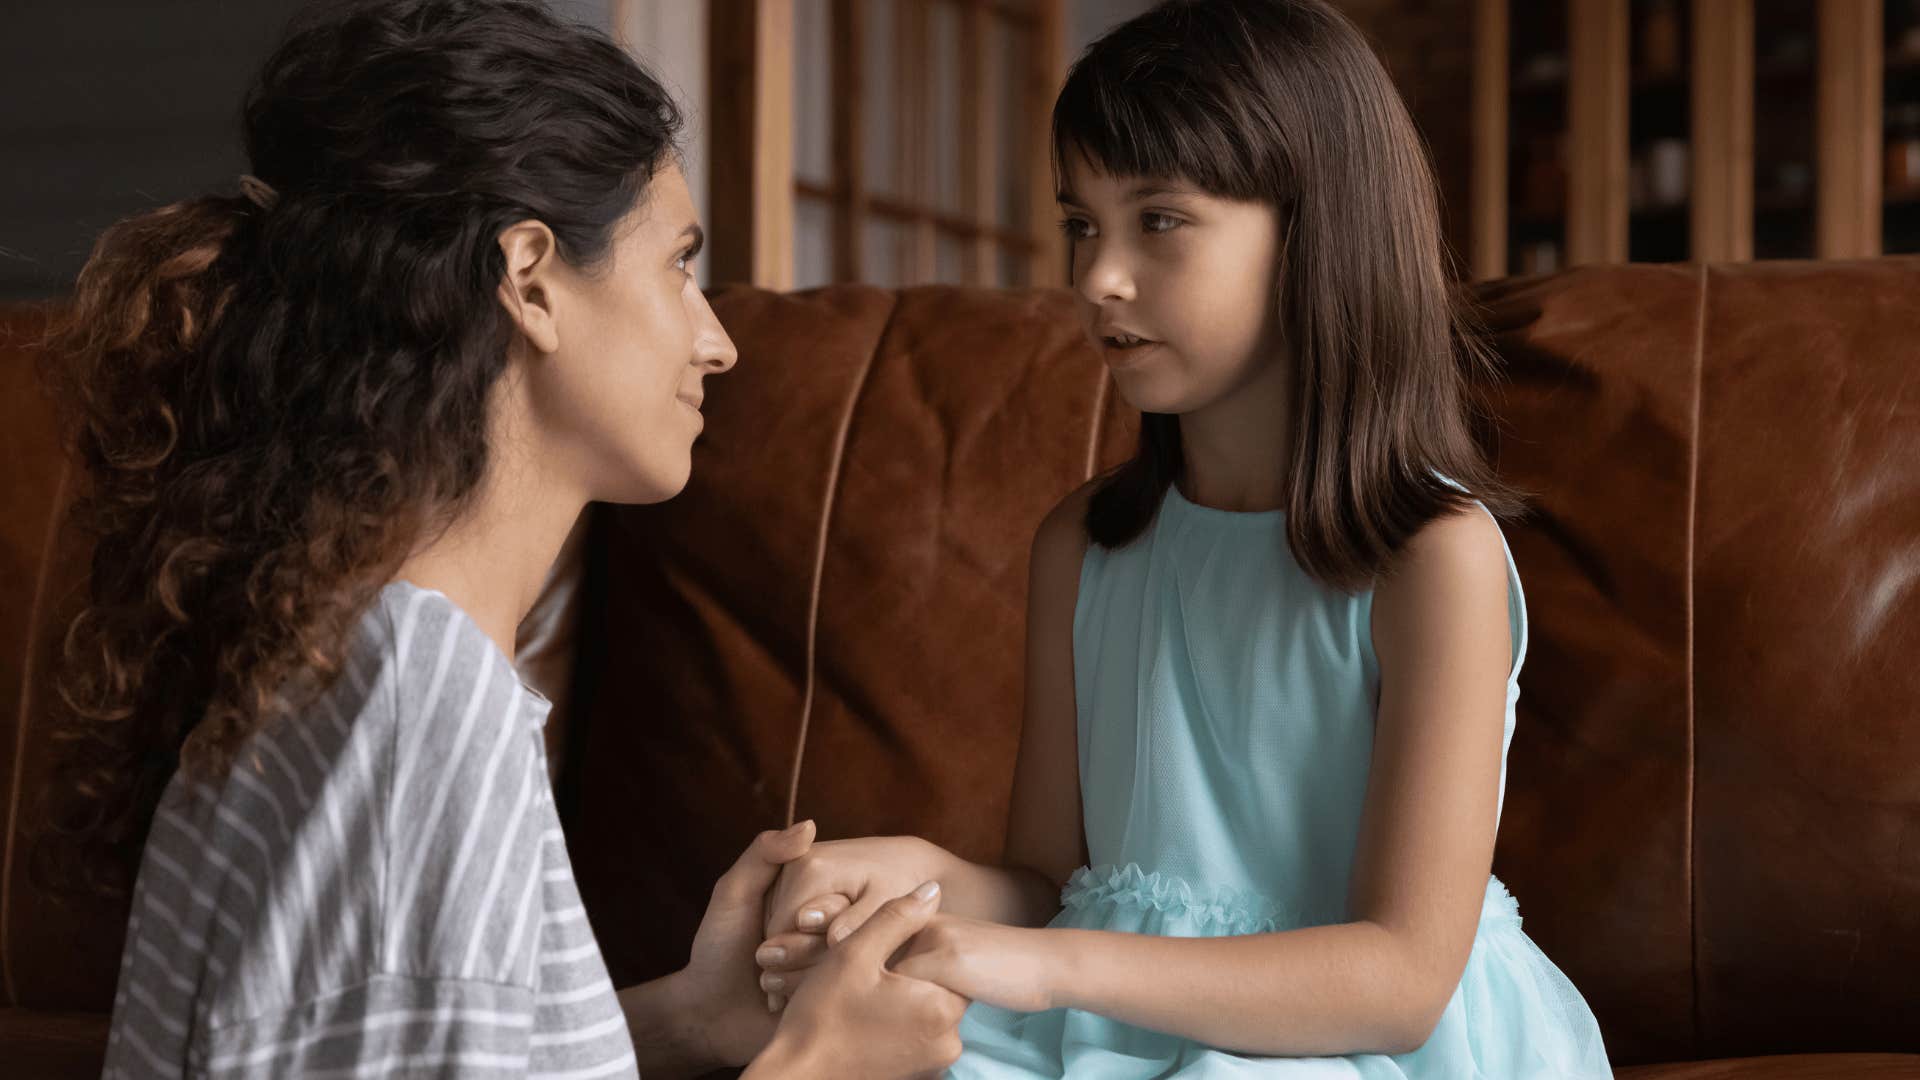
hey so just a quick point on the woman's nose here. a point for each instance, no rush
(712, 347)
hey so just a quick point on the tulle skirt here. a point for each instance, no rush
(1514, 1015)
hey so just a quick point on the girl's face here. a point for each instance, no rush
(1177, 287)
(618, 400)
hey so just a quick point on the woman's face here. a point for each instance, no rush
(1177, 287)
(617, 399)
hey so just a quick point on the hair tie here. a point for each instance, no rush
(258, 191)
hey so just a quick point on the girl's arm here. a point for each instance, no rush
(1379, 982)
(1045, 840)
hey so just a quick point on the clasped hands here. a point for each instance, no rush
(825, 895)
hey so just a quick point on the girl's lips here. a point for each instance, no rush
(1120, 359)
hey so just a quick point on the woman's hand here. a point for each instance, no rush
(856, 1019)
(1007, 966)
(718, 985)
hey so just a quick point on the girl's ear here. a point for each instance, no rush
(526, 289)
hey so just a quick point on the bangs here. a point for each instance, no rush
(1134, 107)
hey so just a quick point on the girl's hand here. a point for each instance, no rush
(1007, 966)
(867, 871)
(827, 894)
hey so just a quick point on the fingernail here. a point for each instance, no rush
(772, 954)
(927, 892)
(794, 829)
(772, 983)
(840, 932)
(772, 1005)
(810, 918)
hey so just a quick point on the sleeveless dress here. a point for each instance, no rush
(1225, 708)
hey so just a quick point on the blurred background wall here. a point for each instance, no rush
(1561, 132)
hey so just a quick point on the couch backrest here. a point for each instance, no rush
(1713, 821)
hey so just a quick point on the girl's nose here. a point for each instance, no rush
(1103, 277)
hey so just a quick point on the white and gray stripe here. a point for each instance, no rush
(379, 886)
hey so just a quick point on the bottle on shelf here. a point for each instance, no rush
(1903, 151)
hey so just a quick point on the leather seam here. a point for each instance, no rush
(1099, 427)
(31, 650)
(1693, 525)
(820, 556)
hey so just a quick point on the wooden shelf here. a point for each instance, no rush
(1812, 85)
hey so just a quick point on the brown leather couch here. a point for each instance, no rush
(1713, 823)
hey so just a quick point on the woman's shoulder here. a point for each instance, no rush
(439, 687)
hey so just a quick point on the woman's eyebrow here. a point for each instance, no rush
(699, 239)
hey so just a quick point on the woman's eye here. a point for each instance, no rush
(1076, 228)
(684, 264)
(1155, 223)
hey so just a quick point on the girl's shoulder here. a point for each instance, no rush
(1065, 526)
(1454, 576)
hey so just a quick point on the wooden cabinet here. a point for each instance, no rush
(1693, 130)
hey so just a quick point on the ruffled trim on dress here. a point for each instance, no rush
(1231, 911)
(1500, 906)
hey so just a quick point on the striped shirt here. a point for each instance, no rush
(379, 887)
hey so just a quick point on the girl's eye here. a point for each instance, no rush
(1156, 223)
(684, 263)
(1076, 228)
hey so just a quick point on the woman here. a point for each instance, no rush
(337, 428)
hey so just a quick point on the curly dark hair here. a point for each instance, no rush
(277, 393)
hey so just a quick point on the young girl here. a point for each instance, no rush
(1288, 629)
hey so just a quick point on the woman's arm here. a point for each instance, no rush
(1380, 982)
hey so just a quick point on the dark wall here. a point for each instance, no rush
(111, 107)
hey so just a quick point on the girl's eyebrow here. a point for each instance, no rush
(1148, 191)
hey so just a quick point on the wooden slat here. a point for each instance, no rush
(1722, 211)
(1047, 265)
(978, 141)
(913, 97)
(906, 213)
(1490, 98)
(849, 158)
(750, 89)
(1848, 117)
(1597, 132)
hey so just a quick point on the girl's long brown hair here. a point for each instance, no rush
(275, 392)
(1282, 101)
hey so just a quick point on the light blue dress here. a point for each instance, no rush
(1226, 707)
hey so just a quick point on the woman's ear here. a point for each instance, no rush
(527, 288)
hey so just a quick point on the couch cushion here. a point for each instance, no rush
(1785, 1067)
